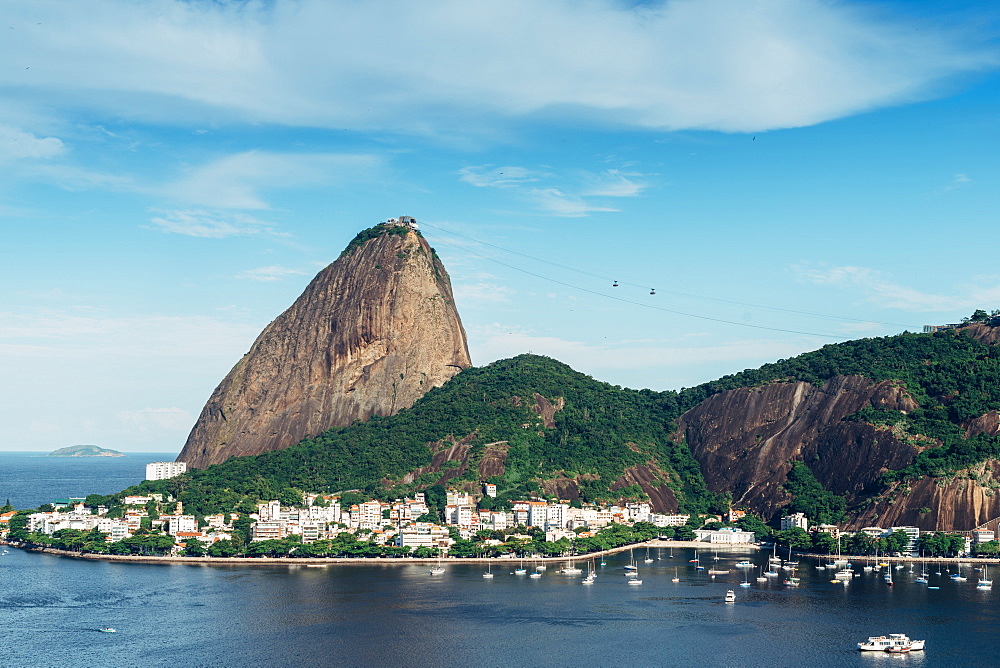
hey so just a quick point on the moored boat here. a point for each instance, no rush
(884, 643)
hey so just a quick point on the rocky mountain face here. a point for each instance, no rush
(746, 439)
(371, 334)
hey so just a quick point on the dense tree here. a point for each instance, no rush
(194, 548)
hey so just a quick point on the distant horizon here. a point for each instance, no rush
(124, 452)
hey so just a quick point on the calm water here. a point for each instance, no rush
(30, 479)
(50, 608)
(169, 615)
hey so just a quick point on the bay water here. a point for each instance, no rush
(390, 614)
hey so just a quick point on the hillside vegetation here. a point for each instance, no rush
(595, 432)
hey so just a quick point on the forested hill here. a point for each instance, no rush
(530, 424)
(891, 411)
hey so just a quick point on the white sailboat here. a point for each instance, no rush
(985, 582)
(439, 568)
(648, 559)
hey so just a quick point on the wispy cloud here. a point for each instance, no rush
(558, 203)
(70, 334)
(958, 181)
(238, 181)
(499, 341)
(491, 293)
(569, 195)
(211, 225)
(613, 183)
(156, 419)
(16, 144)
(270, 273)
(880, 288)
(488, 176)
(725, 65)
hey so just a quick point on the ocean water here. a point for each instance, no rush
(390, 614)
(30, 479)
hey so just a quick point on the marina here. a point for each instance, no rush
(289, 614)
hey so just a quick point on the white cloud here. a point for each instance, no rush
(487, 176)
(466, 293)
(728, 65)
(269, 273)
(612, 183)
(67, 334)
(880, 289)
(558, 203)
(211, 225)
(16, 144)
(236, 181)
(958, 181)
(560, 195)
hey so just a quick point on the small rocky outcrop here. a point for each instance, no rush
(371, 334)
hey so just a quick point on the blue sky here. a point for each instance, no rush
(784, 174)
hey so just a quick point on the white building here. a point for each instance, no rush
(913, 533)
(423, 534)
(724, 535)
(792, 521)
(558, 516)
(164, 470)
(176, 523)
(669, 520)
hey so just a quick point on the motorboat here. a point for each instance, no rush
(108, 629)
(883, 643)
(744, 564)
(730, 596)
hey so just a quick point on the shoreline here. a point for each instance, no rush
(383, 561)
(402, 561)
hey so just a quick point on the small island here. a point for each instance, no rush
(85, 451)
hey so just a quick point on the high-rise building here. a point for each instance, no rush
(164, 470)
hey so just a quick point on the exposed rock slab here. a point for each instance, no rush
(746, 439)
(371, 334)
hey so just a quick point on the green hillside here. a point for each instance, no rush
(602, 430)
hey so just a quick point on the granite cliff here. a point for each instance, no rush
(371, 334)
(910, 439)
